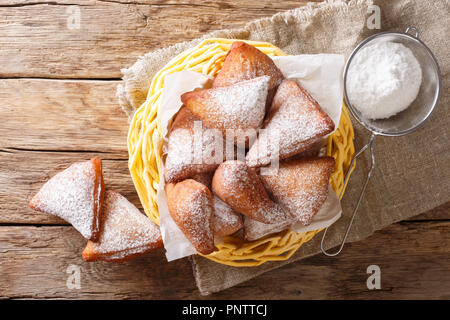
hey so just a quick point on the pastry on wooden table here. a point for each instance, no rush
(245, 62)
(124, 233)
(226, 220)
(239, 107)
(184, 158)
(75, 195)
(191, 207)
(241, 188)
(301, 186)
(294, 123)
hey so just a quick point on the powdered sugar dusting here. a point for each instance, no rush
(125, 254)
(184, 158)
(241, 106)
(197, 218)
(124, 228)
(301, 186)
(191, 207)
(383, 79)
(295, 119)
(70, 196)
(226, 220)
(177, 248)
(240, 187)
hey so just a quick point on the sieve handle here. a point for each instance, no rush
(414, 29)
(347, 176)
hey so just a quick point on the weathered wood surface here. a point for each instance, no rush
(48, 124)
(64, 115)
(413, 258)
(36, 42)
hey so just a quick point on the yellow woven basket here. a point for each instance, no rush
(145, 150)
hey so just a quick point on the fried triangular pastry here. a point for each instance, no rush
(75, 195)
(294, 123)
(226, 220)
(301, 186)
(239, 108)
(124, 233)
(241, 188)
(185, 159)
(245, 62)
(191, 207)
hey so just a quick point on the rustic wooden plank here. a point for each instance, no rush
(441, 212)
(39, 257)
(69, 115)
(36, 41)
(48, 124)
(413, 258)
(193, 3)
(24, 172)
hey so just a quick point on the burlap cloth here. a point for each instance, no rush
(412, 172)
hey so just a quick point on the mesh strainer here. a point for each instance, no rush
(404, 122)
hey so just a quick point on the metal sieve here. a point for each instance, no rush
(404, 122)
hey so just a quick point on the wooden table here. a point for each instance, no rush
(58, 105)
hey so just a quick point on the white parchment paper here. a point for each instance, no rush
(320, 75)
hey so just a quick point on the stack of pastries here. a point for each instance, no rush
(115, 229)
(220, 196)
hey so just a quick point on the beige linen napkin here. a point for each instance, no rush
(412, 173)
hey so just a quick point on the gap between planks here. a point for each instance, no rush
(39, 44)
(411, 258)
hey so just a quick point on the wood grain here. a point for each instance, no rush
(413, 258)
(26, 171)
(49, 124)
(36, 41)
(62, 116)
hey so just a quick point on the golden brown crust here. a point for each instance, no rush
(179, 162)
(204, 178)
(191, 207)
(124, 233)
(240, 187)
(99, 193)
(226, 220)
(239, 107)
(296, 118)
(245, 62)
(90, 255)
(301, 185)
